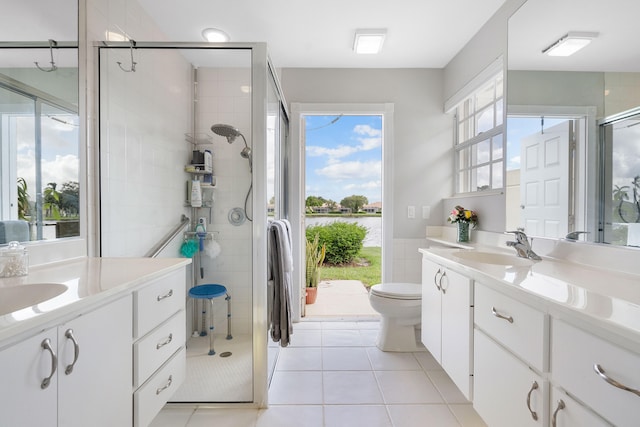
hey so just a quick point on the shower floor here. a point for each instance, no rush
(215, 378)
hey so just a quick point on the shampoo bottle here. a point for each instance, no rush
(196, 194)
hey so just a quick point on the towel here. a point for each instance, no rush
(11, 230)
(280, 267)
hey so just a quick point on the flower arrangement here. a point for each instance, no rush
(460, 214)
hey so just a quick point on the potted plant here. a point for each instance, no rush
(463, 217)
(315, 258)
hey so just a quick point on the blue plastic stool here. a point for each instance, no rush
(210, 292)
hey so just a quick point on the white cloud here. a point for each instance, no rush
(368, 138)
(59, 170)
(351, 170)
(367, 130)
(332, 153)
(369, 185)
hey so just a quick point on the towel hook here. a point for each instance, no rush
(132, 69)
(52, 44)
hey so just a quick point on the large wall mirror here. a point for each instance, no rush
(39, 123)
(573, 151)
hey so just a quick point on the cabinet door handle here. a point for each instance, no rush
(501, 316)
(166, 386)
(560, 407)
(435, 279)
(167, 295)
(613, 382)
(76, 351)
(534, 415)
(442, 276)
(46, 344)
(165, 342)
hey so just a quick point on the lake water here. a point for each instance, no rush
(373, 225)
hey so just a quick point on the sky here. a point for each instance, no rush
(344, 156)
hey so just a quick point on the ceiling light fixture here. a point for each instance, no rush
(215, 35)
(570, 43)
(369, 41)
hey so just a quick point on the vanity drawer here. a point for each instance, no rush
(149, 399)
(156, 347)
(570, 413)
(517, 326)
(157, 302)
(574, 354)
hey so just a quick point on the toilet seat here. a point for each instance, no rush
(404, 291)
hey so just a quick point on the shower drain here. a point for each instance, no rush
(225, 354)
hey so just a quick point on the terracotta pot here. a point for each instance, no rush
(312, 294)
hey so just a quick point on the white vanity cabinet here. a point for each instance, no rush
(510, 359)
(614, 391)
(159, 358)
(88, 361)
(447, 322)
(566, 412)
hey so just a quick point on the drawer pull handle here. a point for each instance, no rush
(560, 407)
(167, 295)
(435, 279)
(166, 386)
(534, 415)
(501, 316)
(613, 382)
(46, 344)
(76, 351)
(165, 342)
(444, 274)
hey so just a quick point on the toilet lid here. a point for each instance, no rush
(398, 290)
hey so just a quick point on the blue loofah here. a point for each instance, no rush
(189, 248)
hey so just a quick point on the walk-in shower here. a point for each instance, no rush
(231, 133)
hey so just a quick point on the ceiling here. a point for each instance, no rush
(539, 23)
(420, 33)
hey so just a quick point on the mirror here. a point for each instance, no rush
(557, 107)
(39, 123)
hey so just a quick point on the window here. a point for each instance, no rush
(479, 140)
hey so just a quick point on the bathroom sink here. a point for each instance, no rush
(493, 258)
(14, 298)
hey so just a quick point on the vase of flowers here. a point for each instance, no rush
(463, 218)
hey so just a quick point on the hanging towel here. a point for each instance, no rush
(280, 267)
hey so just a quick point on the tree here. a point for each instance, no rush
(354, 202)
(51, 201)
(69, 202)
(314, 201)
(23, 199)
(620, 195)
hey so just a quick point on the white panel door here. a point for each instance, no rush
(544, 181)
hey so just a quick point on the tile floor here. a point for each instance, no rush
(333, 375)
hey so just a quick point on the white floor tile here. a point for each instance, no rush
(449, 391)
(356, 415)
(339, 325)
(427, 361)
(345, 359)
(306, 338)
(291, 388)
(421, 416)
(291, 416)
(401, 387)
(224, 418)
(341, 338)
(372, 325)
(467, 416)
(369, 337)
(172, 417)
(392, 361)
(350, 387)
(300, 359)
(307, 325)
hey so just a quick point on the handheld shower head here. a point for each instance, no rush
(227, 131)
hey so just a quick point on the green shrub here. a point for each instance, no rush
(343, 240)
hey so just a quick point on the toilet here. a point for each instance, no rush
(400, 308)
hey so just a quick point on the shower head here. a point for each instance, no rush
(246, 153)
(227, 131)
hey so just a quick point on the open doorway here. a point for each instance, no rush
(343, 208)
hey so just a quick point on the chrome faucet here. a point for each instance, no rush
(573, 236)
(522, 245)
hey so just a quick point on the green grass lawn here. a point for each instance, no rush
(366, 268)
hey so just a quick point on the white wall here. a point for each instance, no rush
(422, 142)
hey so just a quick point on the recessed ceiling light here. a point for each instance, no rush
(570, 43)
(369, 41)
(215, 35)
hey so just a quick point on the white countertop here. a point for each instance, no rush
(90, 281)
(602, 298)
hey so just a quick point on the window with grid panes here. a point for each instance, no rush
(479, 139)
